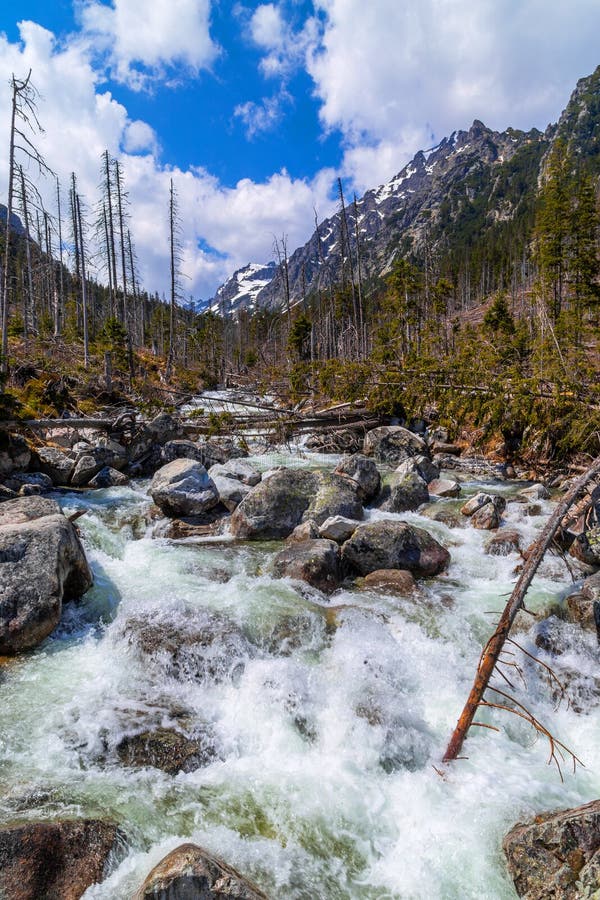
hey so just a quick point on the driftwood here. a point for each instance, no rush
(491, 652)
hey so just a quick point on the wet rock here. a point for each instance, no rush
(535, 492)
(345, 440)
(57, 464)
(586, 547)
(419, 465)
(279, 503)
(237, 469)
(15, 512)
(393, 545)
(338, 529)
(20, 480)
(190, 872)
(42, 563)
(15, 454)
(364, 472)
(55, 860)
(183, 488)
(444, 487)
(444, 449)
(440, 512)
(489, 516)
(505, 542)
(196, 646)
(231, 491)
(580, 611)
(6, 494)
(107, 453)
(317, 562)
(404, 493)
(391, 581)
(393, 443)
(591, 587)
(474, 504)
(166, 749)
(549, 856)
(182, 449)
(532, 509)
(108, 477)
(306, 531)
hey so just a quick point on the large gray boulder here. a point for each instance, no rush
(363, 472)
(55, 860)
(404, 493)
(393, 443)
(389, 544)
(92, 460)
(57, 464)
(183, 488)
(191, 873)
(165, 749)
(42, 563)
(288, 497)
(317, 562)
(557, 855)
(238, 469)
(420, 465)
(231, 491)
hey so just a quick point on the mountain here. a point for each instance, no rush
(242, 288)
(468, 203)
(15, 222)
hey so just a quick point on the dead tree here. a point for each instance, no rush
(61, 282)
(175, 260)
(490, 658)
(107, 192)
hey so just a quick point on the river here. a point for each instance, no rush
(326, 729)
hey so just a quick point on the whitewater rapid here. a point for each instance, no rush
(328, 727)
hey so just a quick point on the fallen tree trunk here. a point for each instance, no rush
(492, 650)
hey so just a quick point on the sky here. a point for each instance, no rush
(255, 109)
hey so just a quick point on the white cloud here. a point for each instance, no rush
(262, 117)
(143, 40)
(284, 46)
(81, 122)
(388, 73)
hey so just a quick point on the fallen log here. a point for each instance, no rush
(493, 648)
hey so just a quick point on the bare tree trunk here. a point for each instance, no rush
(86, 356)
(61, 283)
(111, 285)
(118, 178)
(169, 366)
(27, 306)
(9, 209)
(112, 260)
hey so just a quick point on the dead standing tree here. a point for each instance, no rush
(490, 658)
(175, 263)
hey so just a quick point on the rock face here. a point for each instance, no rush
(183, 488)
(393, 443)
(555, 855)
(288, 497)
(406, 492)
(54, 860)
(315, 561)
(393, 545)
(191, 873)
(42, 563)
(364, 472)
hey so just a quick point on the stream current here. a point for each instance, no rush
(325, 727)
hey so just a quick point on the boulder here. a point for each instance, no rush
(55, 860)
(6, 494)
(57, 464)
(393, 545)
(441, 448)
(363, 472)
(15, 454)
(390, 581)
(288, 497)
(15, 512)
(346, 440)
(182, 449)
(306, 531)
(108, 477)
(505, 542)
(42, 564)
(237, 469)
(419, 465)
(535, 492)
(555, 854)
(582, 611)
(191, 873)
(475, 503)
(183, 488)
(20, 480)
(393, 443)
(231, 492)
(91, 461)
(487, 517)
(440, 512)
(586, 547)
(404, 493)
(591, 587)
(165, 749)
(444, 487)
(315, 561)
(338, 529)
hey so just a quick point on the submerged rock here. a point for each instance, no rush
(55, 860)
(42, 563)
(393, 545)
(191, 873)
(503, 543)
(166, 749)
(315, 561)
(556, 854)
(183, 488)
(363, 472)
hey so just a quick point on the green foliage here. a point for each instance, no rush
(299, 336)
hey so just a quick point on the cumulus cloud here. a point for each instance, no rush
(390, 74)
(284, 46)
(259, 118)
(145, 40)
(81, 121)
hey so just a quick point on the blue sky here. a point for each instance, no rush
(254, 109)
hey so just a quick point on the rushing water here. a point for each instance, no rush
(327, 727)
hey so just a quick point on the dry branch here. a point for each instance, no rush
(492, 650)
